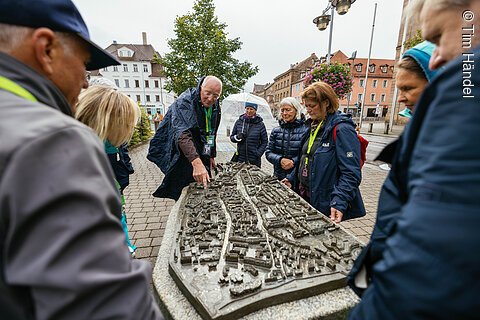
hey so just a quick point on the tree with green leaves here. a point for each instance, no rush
(201, 47)
(413, 40)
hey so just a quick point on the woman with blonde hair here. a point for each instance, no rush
(328, 172)
(285, 140)
(113, 116)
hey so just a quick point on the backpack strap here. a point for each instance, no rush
(335, 133)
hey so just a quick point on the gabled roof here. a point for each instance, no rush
(141, 52)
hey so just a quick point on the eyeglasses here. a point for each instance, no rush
(211, 94)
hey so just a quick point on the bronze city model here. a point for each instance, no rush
(248, 242)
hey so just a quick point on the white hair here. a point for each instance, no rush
(212, 78)
(294, 103)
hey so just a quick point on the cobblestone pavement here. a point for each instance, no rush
(147, 216)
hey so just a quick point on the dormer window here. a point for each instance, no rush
(384, 68)
(371, 68)
(124, 52)
(358, 67)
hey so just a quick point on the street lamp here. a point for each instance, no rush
(322, 21)
(342, 5)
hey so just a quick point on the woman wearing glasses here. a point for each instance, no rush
(285, 140)
(328, 172)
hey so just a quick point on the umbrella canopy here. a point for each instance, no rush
(234, 105)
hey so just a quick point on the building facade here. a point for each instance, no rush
(139, 76)
(282, 86)
(378, 95)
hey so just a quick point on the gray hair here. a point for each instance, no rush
(294, 103)
(12, 36)
(416, 6)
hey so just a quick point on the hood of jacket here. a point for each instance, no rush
(39, 86)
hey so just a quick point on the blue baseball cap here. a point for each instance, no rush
(58, 15)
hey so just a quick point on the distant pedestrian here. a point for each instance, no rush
(157, 119)
(285, 140)
(184, 146)
(113, 116)
(250, 135)
(150, 120)
(328, 172)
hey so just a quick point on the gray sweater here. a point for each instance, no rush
(62, 248)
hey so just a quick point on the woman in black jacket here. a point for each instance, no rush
(250, 135)
(285, 140)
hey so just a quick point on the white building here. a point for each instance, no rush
(139, 76)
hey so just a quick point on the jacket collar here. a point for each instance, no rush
(39, 86)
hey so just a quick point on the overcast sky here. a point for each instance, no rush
(275, 33)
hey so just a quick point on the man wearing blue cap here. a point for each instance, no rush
(61, 244)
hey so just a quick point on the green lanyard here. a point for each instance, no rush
(208, 118)
(14, 88)
(311, 141)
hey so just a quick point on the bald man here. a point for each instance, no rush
(184, 146)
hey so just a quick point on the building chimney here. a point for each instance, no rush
(114, 41)
(144, 37)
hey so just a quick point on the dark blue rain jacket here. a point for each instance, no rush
(186, 114)
(285, 142)
(335, 172)
(423, 259)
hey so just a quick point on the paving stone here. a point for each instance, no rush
(139, 220)
(140, 226)
(143, 252)
(141, 234)
(145, 242)
(153, 226)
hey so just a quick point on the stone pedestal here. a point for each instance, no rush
(331, 305)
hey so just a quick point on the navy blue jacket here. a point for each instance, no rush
(121, 165)
(186, 114)
(429, 210)
(335, 173)
(251, 148)
(285, 142)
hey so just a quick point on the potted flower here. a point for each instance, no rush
(337, 75)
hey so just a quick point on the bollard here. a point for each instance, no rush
(387, 128)
(370, 127)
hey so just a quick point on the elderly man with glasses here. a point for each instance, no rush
(184, 146)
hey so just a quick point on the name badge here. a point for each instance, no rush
(211, 141)
(207, 150)
(305, 172)
(326, 144)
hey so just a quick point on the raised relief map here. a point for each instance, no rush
(248, 242)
